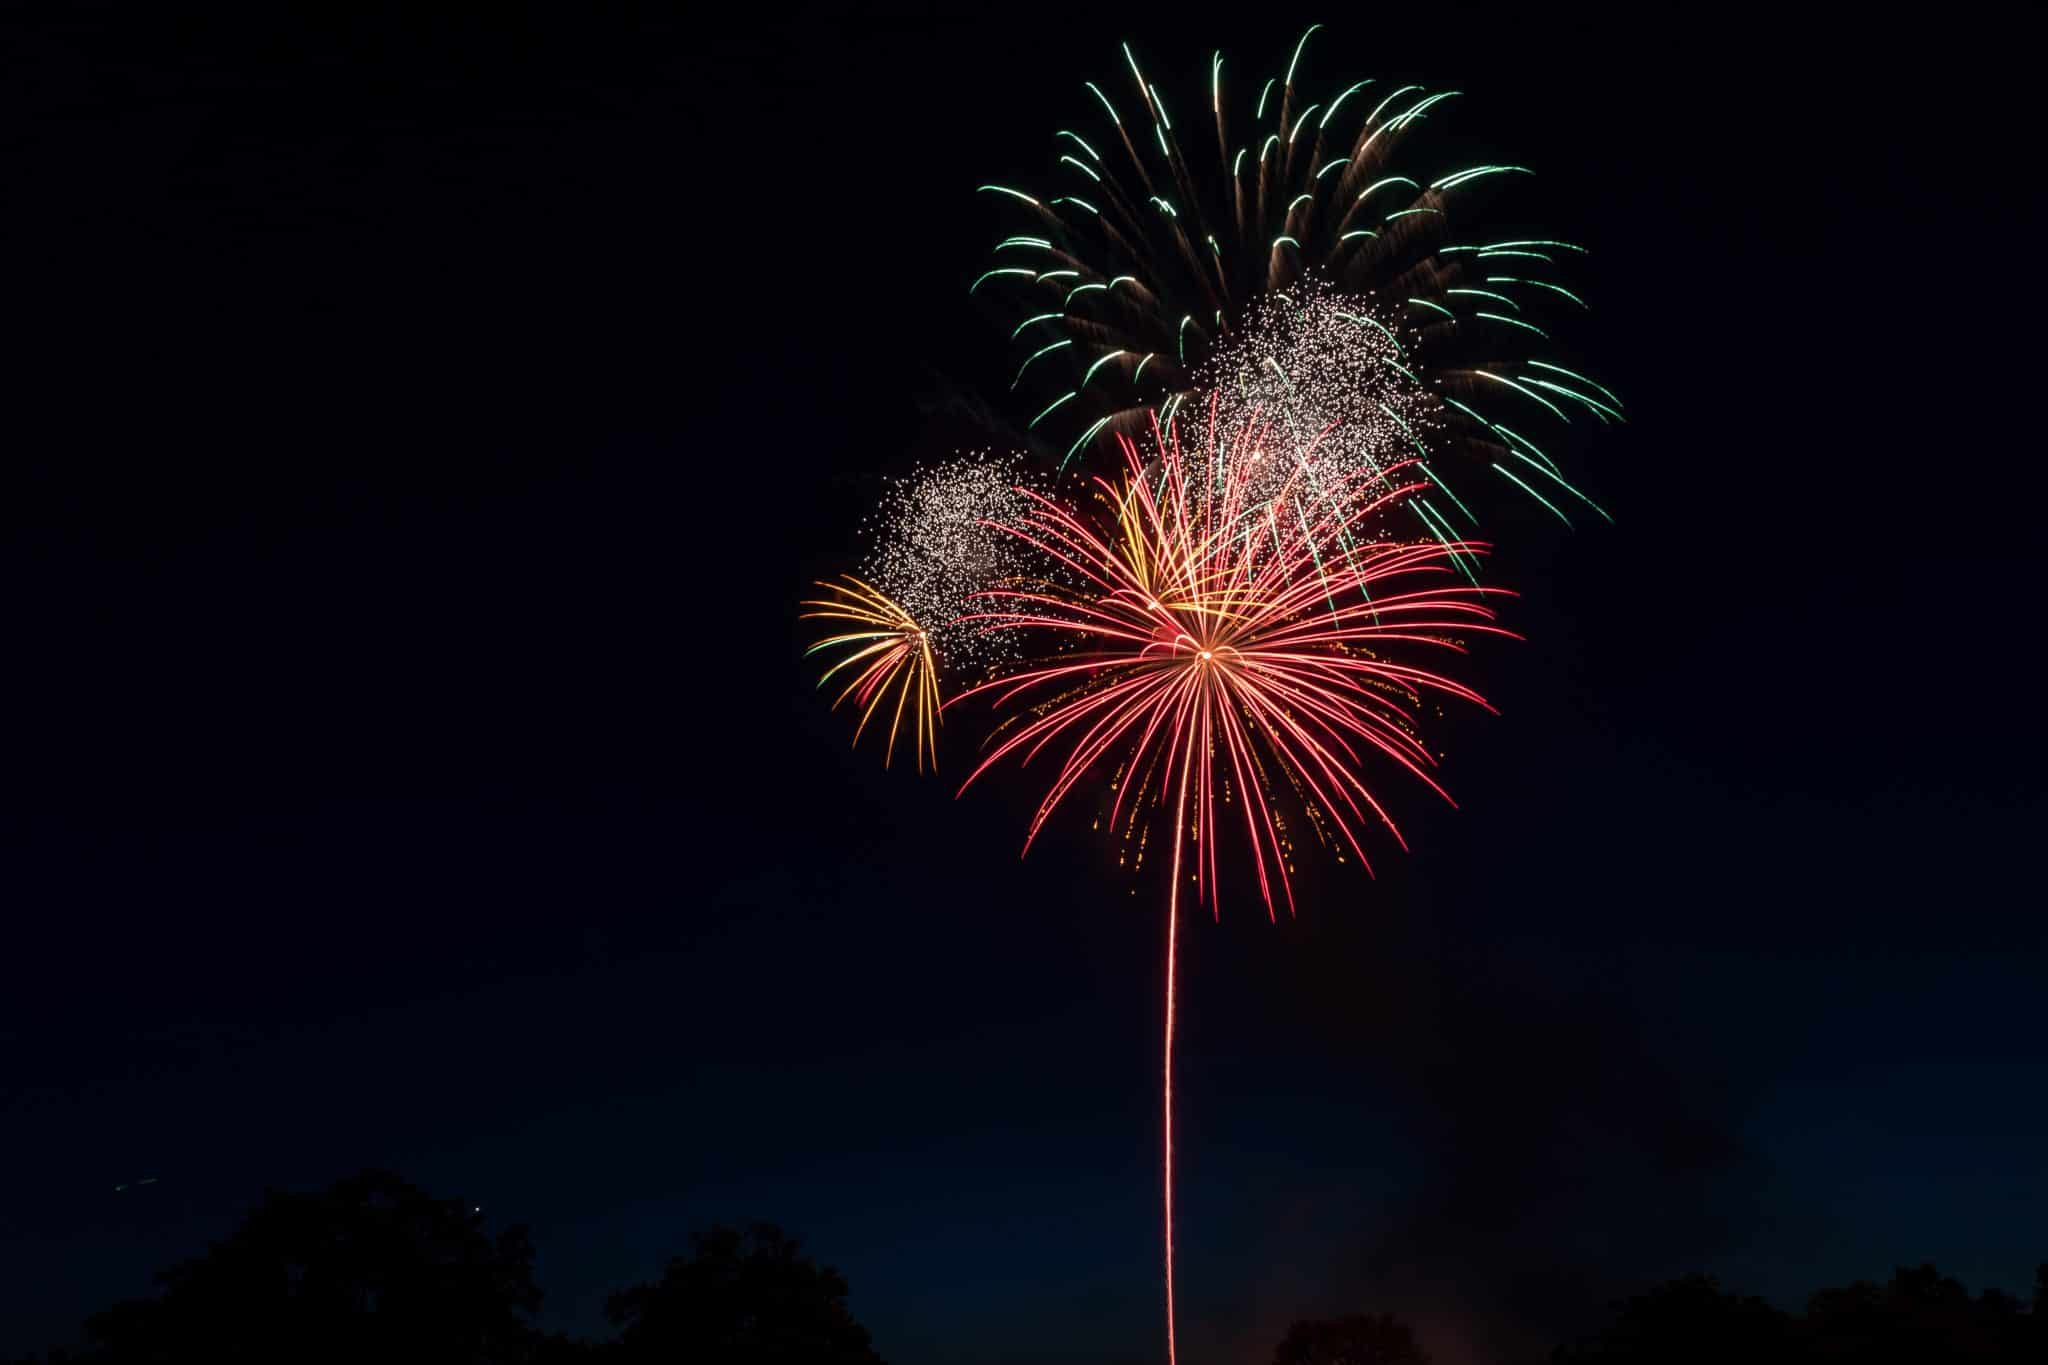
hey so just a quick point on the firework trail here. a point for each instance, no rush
(1159, 246)
(1228, 658)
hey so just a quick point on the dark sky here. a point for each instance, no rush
(418, 434)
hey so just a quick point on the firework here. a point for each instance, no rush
(1311, 366)
(1220, 657)
(1331, 377)
(893, 655)
(1160, 246)
(935, 546)
(1226, 655)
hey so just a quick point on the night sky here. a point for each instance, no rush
(419, 433)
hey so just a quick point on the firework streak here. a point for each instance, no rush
(897, 653)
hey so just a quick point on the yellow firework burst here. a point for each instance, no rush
(896, 655)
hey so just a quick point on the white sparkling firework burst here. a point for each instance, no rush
(1320, 376)
(934, 547)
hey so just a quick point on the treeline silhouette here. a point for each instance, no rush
(1919, 1316)
(373, 1269)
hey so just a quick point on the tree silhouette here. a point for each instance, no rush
(1360, 1339)
(742, 1299)
(371, 1269)
(1691, 1321)
(1919, 1316)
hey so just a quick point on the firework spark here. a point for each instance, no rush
(935, 546)
(1159, 247)
(1316, 361)
(896, 657)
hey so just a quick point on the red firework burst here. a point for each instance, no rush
(1222, 635)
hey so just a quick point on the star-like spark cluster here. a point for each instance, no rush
(935, 544)
(1321, 376)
